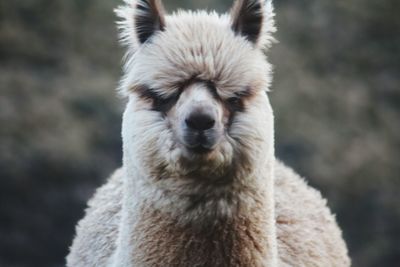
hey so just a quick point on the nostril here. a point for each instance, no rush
(200, 121)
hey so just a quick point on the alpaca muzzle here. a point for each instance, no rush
(201, 134)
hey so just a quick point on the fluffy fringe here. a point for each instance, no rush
(129, 38)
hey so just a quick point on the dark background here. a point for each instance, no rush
(336, 96)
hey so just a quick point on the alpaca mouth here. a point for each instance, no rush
(199, 142)
(200, 149)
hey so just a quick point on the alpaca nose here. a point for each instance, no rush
(200, 121)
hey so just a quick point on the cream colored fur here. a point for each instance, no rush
(234, 206)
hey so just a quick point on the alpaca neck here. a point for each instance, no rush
(154, 235)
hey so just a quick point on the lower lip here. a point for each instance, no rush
(199, 150)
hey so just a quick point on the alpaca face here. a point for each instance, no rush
(198, 119)
(196, 84)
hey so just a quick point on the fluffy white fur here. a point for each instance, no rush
(234, 206)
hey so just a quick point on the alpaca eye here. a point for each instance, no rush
(234, 100)
(162, 104)
(235, 103)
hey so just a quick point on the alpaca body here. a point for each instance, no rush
(200, 185)
(307, 234)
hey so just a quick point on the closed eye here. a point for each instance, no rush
(164, 104)
(233, 100)
(235, 103)
(159, 103)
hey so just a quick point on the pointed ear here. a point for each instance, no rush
(254, 19)
(140, 19)
(149, 18)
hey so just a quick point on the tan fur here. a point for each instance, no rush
(307, 233)
(162, 241)
(234, 206)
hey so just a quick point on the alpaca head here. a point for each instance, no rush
(196, 83)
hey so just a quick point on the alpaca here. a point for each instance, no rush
(200, 184)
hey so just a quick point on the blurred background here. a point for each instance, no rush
(336, 96)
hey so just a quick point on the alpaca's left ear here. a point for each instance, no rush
(254, 19)
(140, 19)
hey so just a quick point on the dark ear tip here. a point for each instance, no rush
(247, 18)
(149, 19)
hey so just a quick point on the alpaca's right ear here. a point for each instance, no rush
(140, 19)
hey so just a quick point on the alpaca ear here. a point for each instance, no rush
(140, 19)
(149, 18)
(254, 19)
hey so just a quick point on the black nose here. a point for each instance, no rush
(200, 121)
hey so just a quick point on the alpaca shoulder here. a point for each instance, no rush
(96, 233)
(307, 232)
